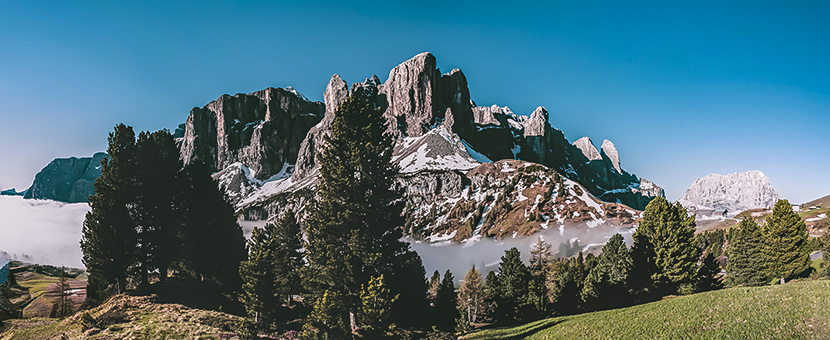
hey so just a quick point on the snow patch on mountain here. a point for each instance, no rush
(734, 192)
(438, 149)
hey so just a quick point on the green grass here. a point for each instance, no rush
(797, 310)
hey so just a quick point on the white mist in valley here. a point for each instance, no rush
(49, 232)
(41, 231)
(486, 253)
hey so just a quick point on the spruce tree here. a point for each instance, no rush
(643, 268)
(354, 226)
(540, 260)
(514, 276)
(565, 286)
(325, 321)
(670, 230)
(471, 297)
(288, 256)
(606, 283)
(214, 246)
(376, 308)
(155, 210)
(109, 234)
(259, 292)
(786, 252)
(434, 284)
(707, 273)
(491, 291)
(445, 303)
(745, 265)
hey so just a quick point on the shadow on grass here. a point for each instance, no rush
(535, 329)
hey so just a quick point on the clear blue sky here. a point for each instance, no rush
(683, 90)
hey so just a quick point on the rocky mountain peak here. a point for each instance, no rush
(411, 93)
(588, 149)
(537, 123)
(336, 92)
(610, 151)
(734, 192)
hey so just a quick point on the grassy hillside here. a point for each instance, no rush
(128, 317)
(798, 310)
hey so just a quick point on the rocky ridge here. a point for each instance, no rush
(67, 179)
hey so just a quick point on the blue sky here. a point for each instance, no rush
(683, 90)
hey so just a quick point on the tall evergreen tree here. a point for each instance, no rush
(707, 273)
(745, 256)
(155, 210)
(565, 284)
(540, 259)
(258, 272)
(434, 284)
(512, 298)
(643, 268)
(354, 227)
(325, 321)
(786, 251)
(214, 246)
(445, 303)
(491, 293)
(670, 230)
(376, 308)
(109, 234)
(288, 256)
(471, 297)
(606, 283)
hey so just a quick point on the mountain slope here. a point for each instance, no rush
(795, 310)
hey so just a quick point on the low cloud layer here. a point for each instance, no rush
(41, 231)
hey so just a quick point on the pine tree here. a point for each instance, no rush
(540, 260)
(707, 273)
(643, 268)
(434, 284)
(512, 298)
(565, 284)
(325, 321)
(491, 295)
(471, 297)
(155, 210)
(259, 291)
(745, 256)
(670, 230)
(109, 234)
(786, 252)
(354, 227)
(214, 246)
(445, 303)
(606, 283)
(376, 307)
(288, 256)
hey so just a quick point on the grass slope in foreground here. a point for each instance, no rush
(797, 310)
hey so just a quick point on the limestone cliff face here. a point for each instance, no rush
(68, 180)
(262, 130)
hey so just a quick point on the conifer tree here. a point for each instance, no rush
(512, 298)
(745, 256)
(540, 260)
(155, 210)
(434, 284)
(353, 229)
(491, 291)
(643, 268)
(259, 291)
(376, 308)
(670, 230)
(565, 287)
(109, 234)
(288, 256)
(445, 303)
(325, 321)
(471, 297)
(786, 252)
(214, 246)
(606, 283)
(707, 273)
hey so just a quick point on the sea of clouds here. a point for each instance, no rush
(41, 231)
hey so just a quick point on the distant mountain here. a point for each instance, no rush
(12, 192)
(735, 192)
(67, 179)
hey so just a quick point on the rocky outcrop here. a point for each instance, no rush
(610, 151)
(588, 149)
(12, 192)
(262, 130)
(412, 94)
(734, 192)
(67, 179)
